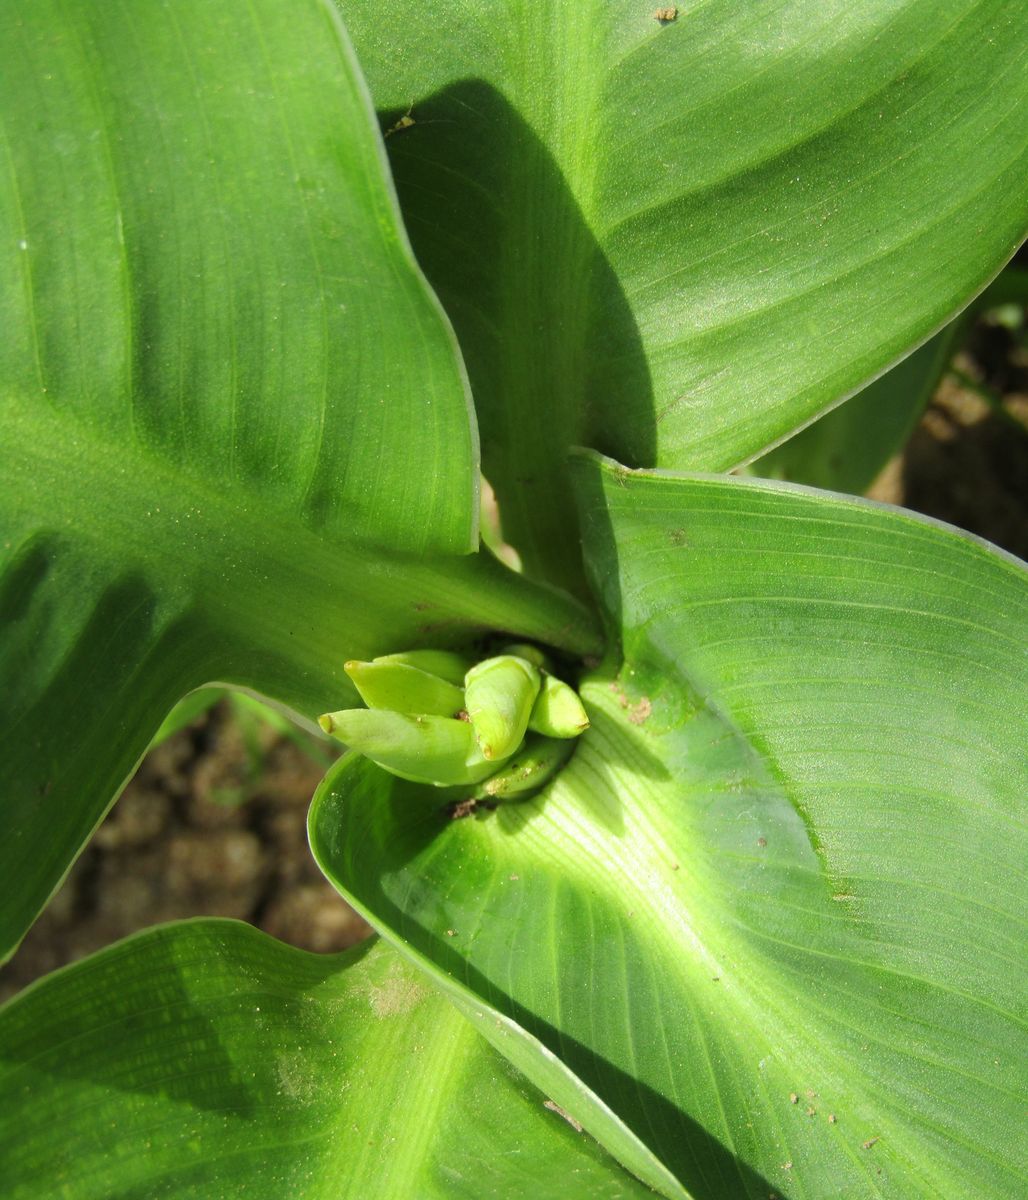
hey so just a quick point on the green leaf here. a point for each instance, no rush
(844, 450)
(230, 1064)
(768, 912)
(417, 816)
(677, 242)
(237, 440)
(203, 267)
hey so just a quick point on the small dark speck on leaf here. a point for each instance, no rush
(831, 1118)
(811, 1111)
(787, 1166)
(676, 537)
(793, 1098)
(869, 1143)
(762, 841)
(451, 933)
(665, 15)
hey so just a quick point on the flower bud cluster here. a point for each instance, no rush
(505, 724)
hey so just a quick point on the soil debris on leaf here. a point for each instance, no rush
(404, 122)
(554, 1107)
(462, 808)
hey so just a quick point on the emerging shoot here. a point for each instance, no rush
(436, 717)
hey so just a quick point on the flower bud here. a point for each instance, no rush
(404, 689)
(425, 749)
(558, 712)
(498, 696)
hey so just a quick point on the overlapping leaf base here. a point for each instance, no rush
(765, 912)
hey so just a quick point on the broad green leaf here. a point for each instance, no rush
(676, 242)
(203, 267)
(206, 1059)
(845, 450)
(770, 911)
(224, 389)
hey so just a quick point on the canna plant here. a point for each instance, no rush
(755, 931)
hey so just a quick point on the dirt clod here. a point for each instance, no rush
(462, 808)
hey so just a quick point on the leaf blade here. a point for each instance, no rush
(237, 438)
(742, 914)
(677, 243)
(224, 261)
(231, 1061)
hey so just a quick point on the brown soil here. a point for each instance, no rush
(209, 826)
(202, 831)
